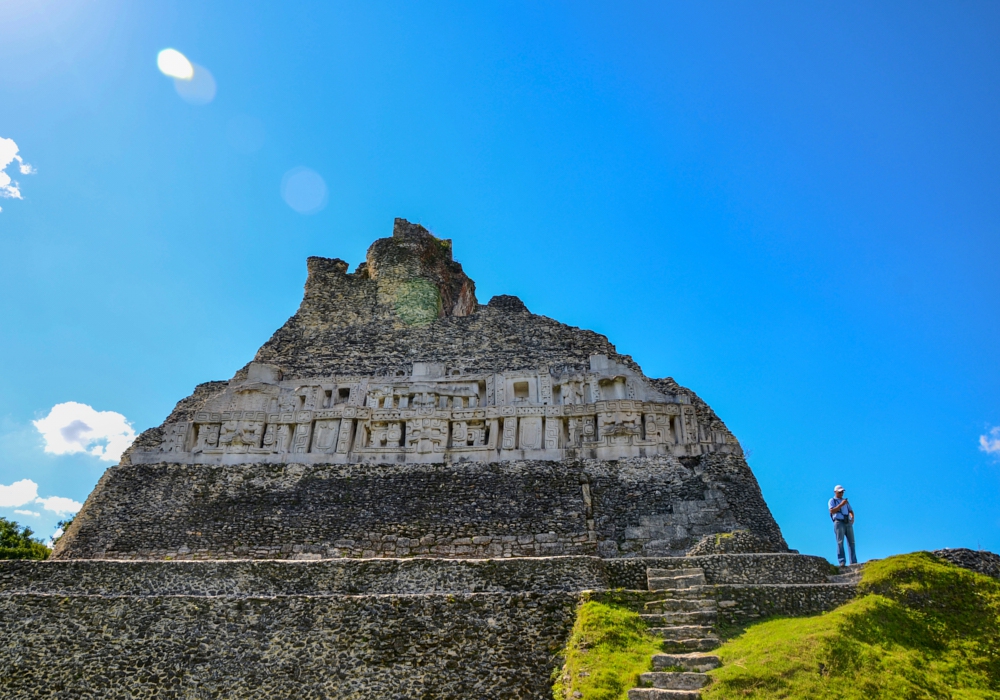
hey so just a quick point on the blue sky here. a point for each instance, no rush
(791, 208)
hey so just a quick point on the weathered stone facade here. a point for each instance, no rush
(405, 494)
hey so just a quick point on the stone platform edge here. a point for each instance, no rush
(416, 575)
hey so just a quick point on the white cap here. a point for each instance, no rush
(838, 488)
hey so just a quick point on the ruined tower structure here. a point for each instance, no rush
(403, 495)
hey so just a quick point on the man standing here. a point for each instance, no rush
(843, 524)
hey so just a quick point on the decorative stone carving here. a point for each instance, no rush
(427, 434)
(175, 437)
(530, 437)
(435, 413)
(509, 433)
(208, 437)
(325, 435)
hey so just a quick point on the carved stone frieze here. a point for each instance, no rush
(441, 414)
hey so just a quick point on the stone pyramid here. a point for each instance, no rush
(393, 415)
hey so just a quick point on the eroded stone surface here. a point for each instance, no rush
(346, 647)
(980, 561)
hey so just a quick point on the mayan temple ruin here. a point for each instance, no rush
(405, 494)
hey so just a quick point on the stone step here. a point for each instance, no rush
(673, 680)
(671, 573)
(662, 694)
(681, 605)
(663, 583)
(692, 662)
(683, 631)
(692, 591)
(848, 574)
(694, 617)
(695, 584)
(693, 644)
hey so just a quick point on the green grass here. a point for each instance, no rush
(607, 650)
(920, 628)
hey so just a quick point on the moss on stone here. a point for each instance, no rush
(418, 302)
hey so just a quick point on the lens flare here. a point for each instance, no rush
(199, 89)
(175, 64)
(304, 190)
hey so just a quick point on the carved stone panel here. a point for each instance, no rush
(208, 437)
(459, 433)
(553, 426)
(656, 428)
(476, 433)
(300, 440)
(175, 437)
(545, 388)
(326, 435)
(530, 437)
(344, 436)
(690, 423)
(509, 433)
(394, 434)
(426, 435)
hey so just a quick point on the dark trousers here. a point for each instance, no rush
(844, 529)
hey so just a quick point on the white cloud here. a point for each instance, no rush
(60, 505)
(76, 427)
(25, 491)
(9, 189)
(990, 443)
(20, 493)
(55, 535)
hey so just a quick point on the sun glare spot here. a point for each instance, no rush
(304, 190)
(175, 64)
(199, 89)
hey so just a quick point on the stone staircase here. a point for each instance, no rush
(848, 574)
(685, 618)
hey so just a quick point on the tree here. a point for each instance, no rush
(17, 542)
(61, 528)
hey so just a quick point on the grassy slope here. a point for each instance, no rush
(921, 628)
(607, 650)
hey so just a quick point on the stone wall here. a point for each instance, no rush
(651, 507)
(389, 576)
(724, 569)
(303, 578)
(736, 542)
(346, 647)
(980, 561)
(743, 604)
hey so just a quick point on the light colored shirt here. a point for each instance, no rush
(844, 510)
